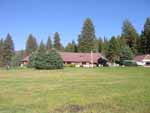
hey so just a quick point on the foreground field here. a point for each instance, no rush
(103, 90)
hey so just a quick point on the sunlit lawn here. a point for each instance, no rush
(75, 90)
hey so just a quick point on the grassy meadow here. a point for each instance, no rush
(75, 90)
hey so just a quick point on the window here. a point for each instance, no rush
(148, 63)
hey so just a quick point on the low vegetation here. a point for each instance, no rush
(46, 60)
(75, 90)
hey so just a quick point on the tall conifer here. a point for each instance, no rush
(8, 50)
(57, 44)
(49, 43)
(130, 34)
(86, 40)
(145, 38)
(31, 44)
(1, 52)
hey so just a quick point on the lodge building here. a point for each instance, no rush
(77, 59)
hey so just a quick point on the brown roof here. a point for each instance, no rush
(25, 59)
(75, 57)
(142, 57)
(79, 57)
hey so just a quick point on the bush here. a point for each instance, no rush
(50, 60)
(53, 60)
(69, 65)
(16, 60)
(40, 61)
(129, 63)
(126, 54)
(32, 60)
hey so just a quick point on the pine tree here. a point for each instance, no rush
(32, 59)
(130, 34)
(86, 40)
(49, 43)
(57, 44)
(99, 45)
(105, 46)
(31, 44)
(145, 38)
(38, 58)
(46, 60)
(74, 46)
(71, 47)
(42, 48)
(141, 45)
(122, 42)
(1, 52)
(113, 50)
(142, 42)
(126, 54)
(16, 59)
(53, 60)
(8, 50)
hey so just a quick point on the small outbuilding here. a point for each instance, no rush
(143, 60)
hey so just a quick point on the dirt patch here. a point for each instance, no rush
(71, 108)
(75, 108)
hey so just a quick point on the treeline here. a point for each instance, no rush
(117, 48)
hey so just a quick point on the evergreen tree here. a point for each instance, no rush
(130, 34)
(54, 60)
(122, 42)
(75, 46)
(71, 47)
(42, 48)
(37, 58)
(8, 50)
(145, 38)
(113, 50)
(49, 44)
(1, 52)
(99, 45)
(140, 44)
(47, 60)
(105, 46)
(16, 59)
(126, 54)
(57, 44)
(32, 59)
(86, 40)
(31, 44)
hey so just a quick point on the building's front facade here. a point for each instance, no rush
(77, 59)
(81, 59)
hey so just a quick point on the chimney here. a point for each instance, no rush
(91, 58)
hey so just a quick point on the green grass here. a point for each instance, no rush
(75, 90)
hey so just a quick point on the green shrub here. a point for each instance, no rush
(69, 65)
(53, 60)
(32, 58)
(126, 54)
(16, 60)
(46, 60)
(129, 63)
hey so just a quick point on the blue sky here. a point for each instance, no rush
(45, 17)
